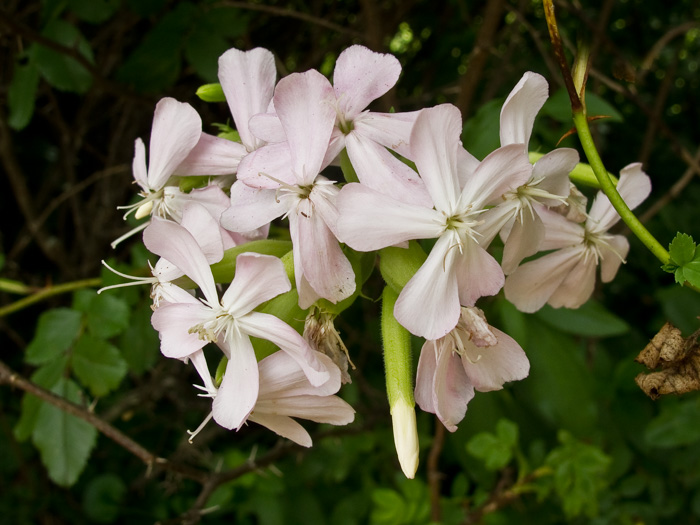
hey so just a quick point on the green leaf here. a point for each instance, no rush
(64, 441)
(495, 450)
(60, 70)
(591, 319)
(481, 133)
(155, 64)
(55, 333)
(579, 475)
(103, 497)
(681, 306)
(21, 94)
(94, 11)
(107, 316)
(388, 507)
(559, 380)
(139, 344)
(691, 272)
(558, 107)
(46, 377)
(675, 426)
(98, 364)
(682, 249)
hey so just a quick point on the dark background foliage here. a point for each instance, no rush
(575, 442)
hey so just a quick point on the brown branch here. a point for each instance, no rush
(661, 43)
(11, 378)
(493, 15)
(675, 190)
(558, 48)
(22, 195)
(434, 474)
(289, 13)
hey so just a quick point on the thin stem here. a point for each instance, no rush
(610, 191)
(11, 378)
(49, 292)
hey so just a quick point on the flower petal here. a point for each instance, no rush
(283, 426)
(267, 167)
(258, 278)
(578, 285)
(138, 165)
(531, 285)
(304, 104)
(251, 208)
(205, 230)
(174, 243)
(634, 186)
(554, 169)
(361, 76)
(428, 306)
(281, 376)
(324, 264)
(477, 272)
(321, 409)
(381, 171)
(173, 321)
(434, 144)
(269, 327)
(502, 170)
(369, 220)
(488, 368)
(238, 392)
(612, 257)
(392, 130)
(453, 390)
(248, 80)
(425, 377)
(212, 156)
(523, 240)
(267, 127)
(520, 109)
(175, 132)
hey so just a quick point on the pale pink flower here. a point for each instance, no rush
(517, 217)
(360, 77)
(302, 102)
(248, 81)
(458, 270)
(566, 276)
(189, 324)
(473, 356)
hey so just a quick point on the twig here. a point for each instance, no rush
(49, 292)
(493, 15)
(674, 192)
(434, 474)
(11, 378)
(289, 13)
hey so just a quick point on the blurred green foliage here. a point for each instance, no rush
(576, 442)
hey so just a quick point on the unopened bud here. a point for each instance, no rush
(403, 418)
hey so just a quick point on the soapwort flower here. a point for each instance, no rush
(473, 356)
(189, 324)
(458, 270)
(266, 191)
(566, 276)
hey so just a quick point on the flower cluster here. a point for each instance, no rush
(287, 133)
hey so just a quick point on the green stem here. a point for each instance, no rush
(610, 191)
(49, 292)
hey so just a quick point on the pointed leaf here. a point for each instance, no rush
(98, 364)
(64, 441)
(55, 332)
